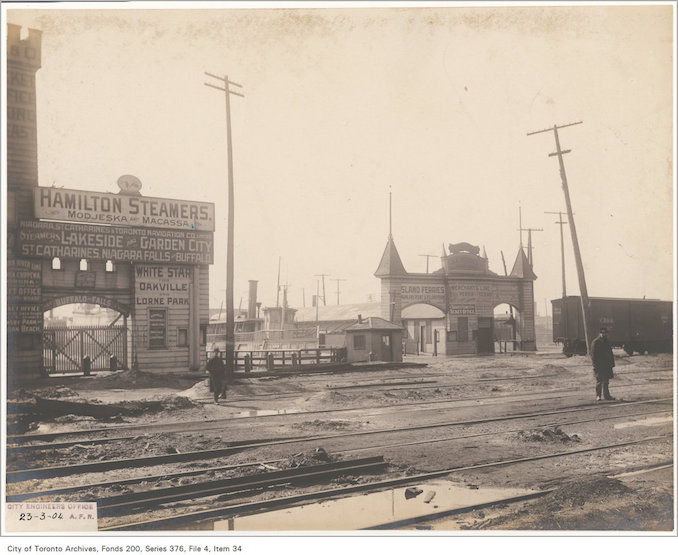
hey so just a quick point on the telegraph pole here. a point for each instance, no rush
(317, 293)
(427, 257)
(323, 276)
(529, 242)
(529, 234)
(230, 320)
(338, 280)
(561, 223)
(575, 243)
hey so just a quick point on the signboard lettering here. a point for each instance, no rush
(462, 309)
(106, 208)
(24, 290)
(126, 244)
(423, 293)
(162, 285)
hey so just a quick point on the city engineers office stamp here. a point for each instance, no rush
(50, 517)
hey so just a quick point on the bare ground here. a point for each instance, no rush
(589, 492)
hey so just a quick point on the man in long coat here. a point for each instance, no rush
(217, 371)
(603, 362)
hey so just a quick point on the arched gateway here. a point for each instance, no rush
(465, 292)
(147, 258)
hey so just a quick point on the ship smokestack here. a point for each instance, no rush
(252, 301)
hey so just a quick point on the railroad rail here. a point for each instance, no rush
(122, 504)
(170, 476)
(102, 466)
(200, 425)
(248, 508)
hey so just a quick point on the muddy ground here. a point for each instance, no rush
(599, 491)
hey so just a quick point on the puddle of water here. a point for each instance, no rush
(371, 509)
(645, 422)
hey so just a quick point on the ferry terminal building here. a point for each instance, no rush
(454, 305)
(146, 258)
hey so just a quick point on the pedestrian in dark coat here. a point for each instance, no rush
(603, 362)
(217, 371)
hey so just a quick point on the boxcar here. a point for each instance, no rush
(636, 325)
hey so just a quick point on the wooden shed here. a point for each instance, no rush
(374, 339)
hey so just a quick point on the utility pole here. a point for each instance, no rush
(427, 257)
(337, 280)
(230, 321)
(323, 276)
(561, 223)
(529, 235)
(529, 243)
(575, 243)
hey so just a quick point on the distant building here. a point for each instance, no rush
(451, 310)
(374, 339)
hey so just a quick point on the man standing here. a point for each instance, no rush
(217, 371)
(603, 362)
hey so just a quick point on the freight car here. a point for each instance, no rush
(636, 325)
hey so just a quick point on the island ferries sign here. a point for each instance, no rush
(111, 209)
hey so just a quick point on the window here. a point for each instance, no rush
(157, 328)
(203, 334)
(359, 342)
(56, 263)
(109, 266)
(386, 340)
(83, 265)
(182, 337)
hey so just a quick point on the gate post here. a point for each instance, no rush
(124, 343)
(82, 351)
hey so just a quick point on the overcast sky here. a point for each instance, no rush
(344, 105)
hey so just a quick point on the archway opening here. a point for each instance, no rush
(424, 329)
(80, 338)
(506, 327)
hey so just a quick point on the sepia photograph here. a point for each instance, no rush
(387, 269)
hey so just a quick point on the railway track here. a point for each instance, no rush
(198, 496)
(17, 443)
(193, 456)
(226, 511)
(267, 463)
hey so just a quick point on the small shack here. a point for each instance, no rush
(374, 338)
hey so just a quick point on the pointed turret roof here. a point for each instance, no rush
(521, 267)
(390, 264)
